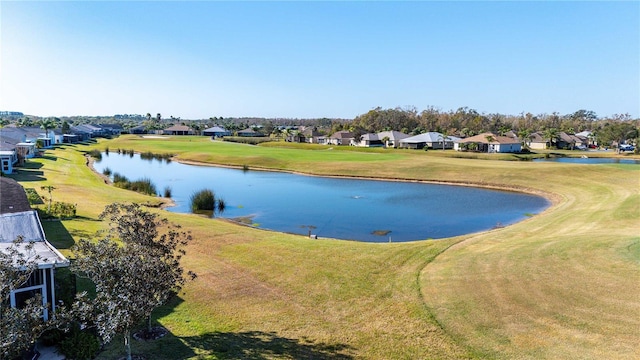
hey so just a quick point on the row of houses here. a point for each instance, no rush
(486, 142)
(20, 143)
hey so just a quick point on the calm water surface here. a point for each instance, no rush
(335, 208)
(591, 160)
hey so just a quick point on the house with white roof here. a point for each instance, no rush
(383, 138)
(8, 157)
(432, 140)
(17, 219)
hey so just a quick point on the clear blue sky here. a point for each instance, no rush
(317, 59)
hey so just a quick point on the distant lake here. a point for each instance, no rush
(364, 210)
(590, 160)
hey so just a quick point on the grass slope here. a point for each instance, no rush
(562, 284)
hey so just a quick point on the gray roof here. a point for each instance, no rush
(392, 135)
(27, 224)
(216, 129)
(12, 197)
(428, 137)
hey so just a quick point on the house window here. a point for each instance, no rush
(5, 165)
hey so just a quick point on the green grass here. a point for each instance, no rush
(561, 284)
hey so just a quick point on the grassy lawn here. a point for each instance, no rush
(562, 284)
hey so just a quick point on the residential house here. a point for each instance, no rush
(431, 140)
(537, 141)
(178, 130)
(341, 138)
(216, 131)
(86, 131)
(489, 142)
(17, 219)
(368, 140)
(8, 157)
(140, 129)
(249, 132)
(571, 142)
(27, 135)
(112, 129)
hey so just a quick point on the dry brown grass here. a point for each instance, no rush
(563, 284)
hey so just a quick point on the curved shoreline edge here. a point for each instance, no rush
(553, 198)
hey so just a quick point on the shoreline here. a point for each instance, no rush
(554, 199)
(551, 197)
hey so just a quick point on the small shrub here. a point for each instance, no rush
(63, 210)
(106, 150)
(167, 192)
(52, 337)
(79, 345)
(203, 200)
(106, 171)
(33, 197)
(117, 178)
(144, 186)
(96, 154)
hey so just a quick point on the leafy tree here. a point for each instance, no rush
(19, 327)
(617, 132)
(135, 275)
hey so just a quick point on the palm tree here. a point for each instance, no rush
(47, 124)
(490, 139)
(525, 135)
(551, 134)
(444, 136)
(49, 188)
(385, 141)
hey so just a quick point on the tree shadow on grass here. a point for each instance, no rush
(28, 172)
(258, 345)
(249, 345)
(57, 234)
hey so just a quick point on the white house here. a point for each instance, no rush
(432, 139)
(489, 142)
(8, 158)
(18, 219)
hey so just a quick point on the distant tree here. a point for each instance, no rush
(136, 267)
(148, 116)
(19, 327)
(385, 141)
(3, 123)
(618, 133)
(525, 137)
(551, 134)
(158, 117)
(65, 127)
(47, 124)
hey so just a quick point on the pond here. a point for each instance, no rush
(350, 209)
(594, 160)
